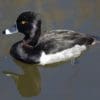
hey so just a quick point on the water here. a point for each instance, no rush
(64, 81)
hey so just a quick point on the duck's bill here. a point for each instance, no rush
(11, 30)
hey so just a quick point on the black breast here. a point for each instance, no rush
(28, 55)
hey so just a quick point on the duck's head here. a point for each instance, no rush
(27, 23)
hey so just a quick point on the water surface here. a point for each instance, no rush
(65, 81)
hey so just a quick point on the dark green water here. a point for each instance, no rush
(65, 81)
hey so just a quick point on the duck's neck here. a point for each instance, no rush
(32, 41)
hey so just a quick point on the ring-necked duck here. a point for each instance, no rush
(53, 46)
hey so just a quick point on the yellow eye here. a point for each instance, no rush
(24, 22)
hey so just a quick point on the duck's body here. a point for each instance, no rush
(50, 47)
(53, 46)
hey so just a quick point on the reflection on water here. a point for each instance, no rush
(28, 83)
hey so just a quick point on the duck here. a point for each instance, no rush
(48, 47)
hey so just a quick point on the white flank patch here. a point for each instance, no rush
(64, 55)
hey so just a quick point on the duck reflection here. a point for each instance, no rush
(28, 83)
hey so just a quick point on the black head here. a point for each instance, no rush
(28, 23)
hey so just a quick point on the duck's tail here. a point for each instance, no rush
(96, 39)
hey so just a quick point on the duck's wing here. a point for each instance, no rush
(58, 40)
